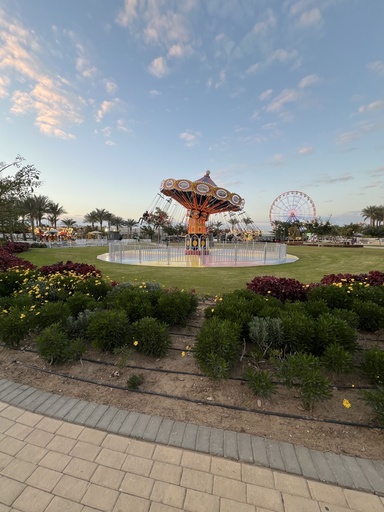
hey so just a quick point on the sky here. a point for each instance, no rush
(109, 98)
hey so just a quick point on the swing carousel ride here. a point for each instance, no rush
(201, 198)
(199, 202)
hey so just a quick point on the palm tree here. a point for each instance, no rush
(117, 221)
(29, 208)
(68, 222)
(371, 213)
(91, 217)
(233, 223)
(101, 215)
(42, 204)
(130, 223)
(55, 210)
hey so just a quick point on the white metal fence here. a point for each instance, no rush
(259, 253)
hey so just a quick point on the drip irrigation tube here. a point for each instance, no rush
(192, 374)
(202, 402)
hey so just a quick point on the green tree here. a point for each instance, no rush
(54, 212)
(68, 222)
(130, 223)
(101, 215)
(91, 218)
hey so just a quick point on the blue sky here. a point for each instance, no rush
(108, 98)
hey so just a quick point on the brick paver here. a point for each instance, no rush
(49, 465)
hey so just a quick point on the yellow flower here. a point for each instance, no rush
(352, 386)
(22, 316)
(187, 347)
(183, 354)
(269, 291)
(5, 311)
(213, 310)
(38, 313)
(135, 343)
(346, 403)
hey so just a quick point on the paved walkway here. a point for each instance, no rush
(63, 454)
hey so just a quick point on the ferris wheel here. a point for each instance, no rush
(292, 206)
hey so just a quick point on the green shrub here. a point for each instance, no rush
(336, 359)
(315, 308)
(371, 316)
(375, 399)
(267, 334)
(79, 302)
(55, 347)
(260, 382)
(372, 365)
(350, 317)
(299, 331)
(239, 306)
(97, 287)
(108, 329)
(135, 302)
(135, 381)
(77, 327)
(12, 280)
(50, 313)
(15, 325)
(217, 347)
(152, 337)
(302, 371)
(174, 307)
(330, 329)
(335, 296)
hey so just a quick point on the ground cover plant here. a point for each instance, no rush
(284, 350)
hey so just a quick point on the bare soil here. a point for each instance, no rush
(196, 399)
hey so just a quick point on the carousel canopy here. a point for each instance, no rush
(202, 194)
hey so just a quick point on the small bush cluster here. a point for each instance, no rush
(260, 382)
(152, 337)
(109, 329)
(217, 347)
(372, 365)
(303, 371)
(373, 278)
(267, 334)
(54, 346)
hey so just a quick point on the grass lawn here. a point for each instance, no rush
(313, 264)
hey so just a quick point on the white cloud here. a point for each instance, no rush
(107, 131)
(347, 137)
(308, 81)
(263, 26)
(41, 93)
(128, 13)
(190, 138)
(252, 69)
(306, 150)
(377, 66)
(4, 82)
(179, 51)
(51, 106)
(216, 84)
(154, 92)
(374, 106)
(286, 96)
(309, 18)
(282, 55)
(105, 108)
(110, 86)
(158, 67)
(122, 127)
(265, 95)
(110, 143)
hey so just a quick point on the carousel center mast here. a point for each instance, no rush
(201, 198)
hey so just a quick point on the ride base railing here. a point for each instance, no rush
(260, 253)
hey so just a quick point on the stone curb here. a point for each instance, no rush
(345, 471)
